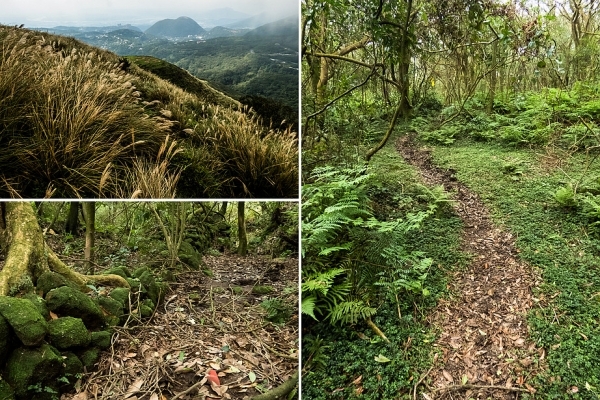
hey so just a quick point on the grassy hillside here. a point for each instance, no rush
(78, 121)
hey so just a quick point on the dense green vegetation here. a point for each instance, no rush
(76, 121)
(504, 95)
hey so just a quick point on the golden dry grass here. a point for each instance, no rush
(73, 123)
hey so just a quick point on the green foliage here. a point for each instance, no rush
(349, 254)
(278, 311)
(565, 196)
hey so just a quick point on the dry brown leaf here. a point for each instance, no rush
(530, 388)
(154, 396)
(134, 388)
(447, 376)
(219, 389)
(80, 396)
(53, 316)
(358, 380)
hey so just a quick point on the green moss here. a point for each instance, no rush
(101, 339)
(6, 392)
(149, 283)
(25, 319)
(260, 290)
(31, 367)
(39, 303)
(121, 295)
(73, 367)
(50, 280)
(237, 290)
(111, 306)
(121, 271)
(71, 302)
(90, 357)
(68, 332)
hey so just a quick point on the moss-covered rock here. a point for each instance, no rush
(89, 357)
(73, 367)
(140, 271)
(149, 283)
(68, 301)
(101, 339)
(189, 256)
(111, 306)
(136, 285)
(6, 391)
(121, 295)
(31, 368)
(123, 272)
(6, 340)
(26, 321)
(68, 332)
(50, 280)
(39, 303)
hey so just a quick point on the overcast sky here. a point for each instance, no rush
(50, 13)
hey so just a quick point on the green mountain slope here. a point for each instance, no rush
(78, 121)
(263, 62)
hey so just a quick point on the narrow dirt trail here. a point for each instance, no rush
(483, 324)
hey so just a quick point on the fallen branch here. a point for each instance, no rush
(376, 329)
(280, 391)
(186, 391)
(419, 382)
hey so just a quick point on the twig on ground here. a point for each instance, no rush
(419, 382)
(469, 386)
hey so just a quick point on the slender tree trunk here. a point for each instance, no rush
(243, 247)
(89, 211)
(72, 224)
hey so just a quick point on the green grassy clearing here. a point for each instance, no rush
(558, 240)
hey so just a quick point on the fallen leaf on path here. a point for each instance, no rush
(80, 396)
(252, 376)
(134, 388)
(447, 376)
(382, 359)
(212, 377)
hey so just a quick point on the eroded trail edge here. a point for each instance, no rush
(484, 333)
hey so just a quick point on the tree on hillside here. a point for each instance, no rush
(243, 247)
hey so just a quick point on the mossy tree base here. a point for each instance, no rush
(28, 256)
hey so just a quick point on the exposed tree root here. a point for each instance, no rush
(376, 329)
(280, 391)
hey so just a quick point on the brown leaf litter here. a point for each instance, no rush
(485, 350)
(205, 323)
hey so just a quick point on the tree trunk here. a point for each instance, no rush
(72, 224)
(243, 247)
(27, 256)
(89, 211)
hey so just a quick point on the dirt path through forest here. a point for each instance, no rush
(484, 334)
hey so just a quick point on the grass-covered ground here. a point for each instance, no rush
(519, 186)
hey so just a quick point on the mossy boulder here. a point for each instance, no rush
(26, 321)
(29, 368)
(149, 283)
(123, 272)
(50, 280)
(111, 306)
(68, 301)
(89, 357)
(189, 256)
(68, 332)
(101, 339)
(147, 308)
(6, 341)
(6, 391)
(39, 303)
(121, 295)
(72, 368)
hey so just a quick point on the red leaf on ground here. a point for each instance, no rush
(213, 377)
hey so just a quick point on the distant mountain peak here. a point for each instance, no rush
(176, 28)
